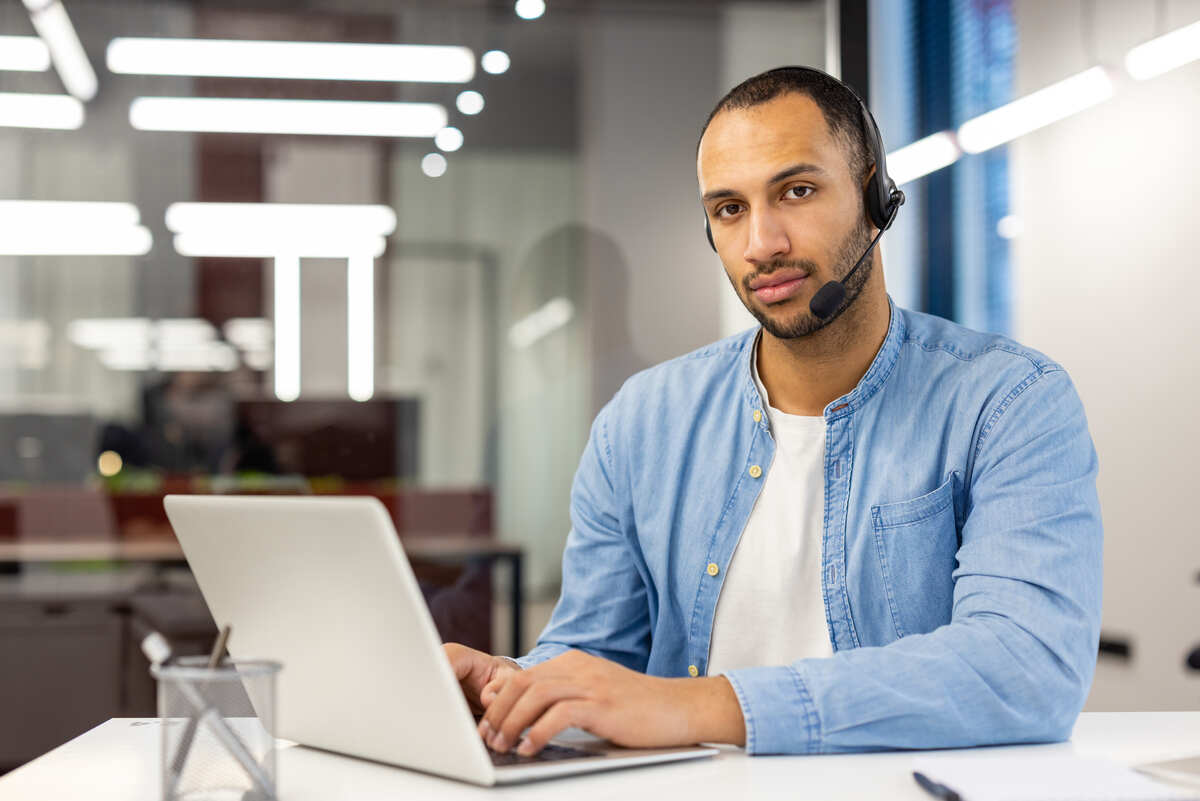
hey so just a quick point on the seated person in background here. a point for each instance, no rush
(862, 529)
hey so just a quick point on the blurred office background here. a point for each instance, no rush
(516, 230)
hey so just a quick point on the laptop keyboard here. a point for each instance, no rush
(551, 753)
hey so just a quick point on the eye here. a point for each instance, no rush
(808, 190)
(731, 208)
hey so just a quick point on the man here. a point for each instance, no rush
(870, 530)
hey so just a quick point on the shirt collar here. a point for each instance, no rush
(875, 377)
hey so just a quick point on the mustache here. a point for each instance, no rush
(808, 265)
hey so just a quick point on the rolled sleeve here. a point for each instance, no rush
(778, 709)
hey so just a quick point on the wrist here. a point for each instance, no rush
(713, 712)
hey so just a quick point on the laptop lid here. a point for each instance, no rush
(323, 586)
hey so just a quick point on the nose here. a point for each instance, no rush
(767, 238)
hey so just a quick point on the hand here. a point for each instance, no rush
(610, 701)
(475, 669)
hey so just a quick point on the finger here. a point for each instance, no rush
(532, 704)
(560, 716)
(511, 690)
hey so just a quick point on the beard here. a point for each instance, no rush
(803, 322)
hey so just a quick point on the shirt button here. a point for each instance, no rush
(755, 471)
(693, 671)
(713, 569)
(757, 416)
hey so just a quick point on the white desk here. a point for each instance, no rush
(119, 760)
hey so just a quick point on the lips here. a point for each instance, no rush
(779, 285)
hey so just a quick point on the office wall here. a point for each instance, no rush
(1106, 283)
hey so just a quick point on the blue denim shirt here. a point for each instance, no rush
(961, 551)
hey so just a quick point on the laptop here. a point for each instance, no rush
(322, 585)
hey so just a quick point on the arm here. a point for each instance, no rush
(603, 609)
(1016, 661)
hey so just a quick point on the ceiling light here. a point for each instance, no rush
(434, 165)
(922, 157)
(51, 22)
(530, 9)
(333, 61)
(61, 112)
(360, 328)
(1164, 53)
(358, 219)
(277, 116)
(495, 62)
(70, 228)
(320, 244)
(448, 139)
(26, 54)
(1009, 227)
(554, 314)
(287, 328)
(469, 102)
(1036, 110)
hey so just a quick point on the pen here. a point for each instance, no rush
(934, 789)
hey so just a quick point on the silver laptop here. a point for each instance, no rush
(323, 586)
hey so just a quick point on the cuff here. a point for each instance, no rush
(780, 715)
(540, 654)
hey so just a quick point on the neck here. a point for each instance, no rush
(802, 376)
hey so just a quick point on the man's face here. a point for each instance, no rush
(786, 214)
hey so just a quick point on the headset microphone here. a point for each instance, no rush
(830, 297)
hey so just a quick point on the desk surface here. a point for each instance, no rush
(119, 760)
(418, 546)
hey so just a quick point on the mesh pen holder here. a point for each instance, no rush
(216, 729)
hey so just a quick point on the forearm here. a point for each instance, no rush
(976, 682)
(712, 710)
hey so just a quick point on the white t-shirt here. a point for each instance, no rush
(771, 611)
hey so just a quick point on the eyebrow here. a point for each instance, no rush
(784, 174)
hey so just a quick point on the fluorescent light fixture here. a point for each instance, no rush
(58, 214)
(530, 9)
(51, 22)
(550, 317)
(287, 327)
(1036, 110)
(329, 61)
(1009, 227)
(282, 218)
(434, 165)
(319, 244)
(495, 62)
(70, 228)
(183, 333)
(276, 116)
(1164, 53)
(25, 343)
(448, 139)
(264, 230)
(248, 333)
(110, 333)
(24, 54)
(21, 110)
(922, 157)
(360, 330)
(206, 357)
(469, 102)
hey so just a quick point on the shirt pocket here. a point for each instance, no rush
(917, 544)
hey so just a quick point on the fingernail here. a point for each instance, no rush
(485, 730)
(499, 743)
(525, 748)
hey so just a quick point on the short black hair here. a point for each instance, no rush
(843, 113)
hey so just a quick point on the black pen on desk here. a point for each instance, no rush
(934, 789)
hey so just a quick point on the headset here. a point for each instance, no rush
(880, 196)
